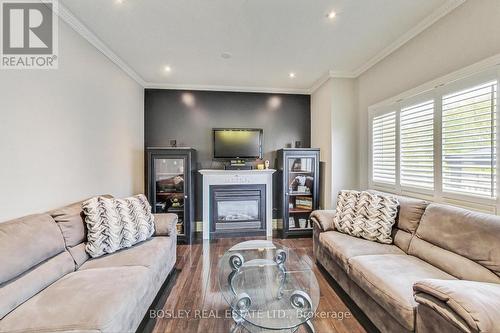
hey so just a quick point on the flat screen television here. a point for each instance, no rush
(237, 143)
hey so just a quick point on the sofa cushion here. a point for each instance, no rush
(114, 224)
(32, 256)
(107, 299)
(463, 243)
(70, 220)
(409, 214)
(158, 254)
(389, 280)
(366, 215)
(343, 247)
(26, 242)
(23, 287)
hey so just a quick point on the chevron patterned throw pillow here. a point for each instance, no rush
(115, 224)
(366, 215)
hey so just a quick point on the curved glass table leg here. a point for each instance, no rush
(280, 259)
(309, 327)
(235, 261)
(301, 301)
(240, 307)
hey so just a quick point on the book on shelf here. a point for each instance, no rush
(303, 202)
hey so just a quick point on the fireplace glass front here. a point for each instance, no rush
(237, 209)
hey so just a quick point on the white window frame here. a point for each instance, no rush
(449, 84)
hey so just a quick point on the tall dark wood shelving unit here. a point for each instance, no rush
(170, 186)
(298, 189)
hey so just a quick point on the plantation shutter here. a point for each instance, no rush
(384, 148)
(417, 145)
(469, 141)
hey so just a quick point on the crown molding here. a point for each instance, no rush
(268, 90)
(330, 75)
(342, 75)
(429, 20)
(319, 82)
(67, 16)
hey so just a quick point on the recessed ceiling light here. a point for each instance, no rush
(226, 55)
(331, 15)
(291, 75)
(167, 69)
(119, 1)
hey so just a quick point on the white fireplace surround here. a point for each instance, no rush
(235, 177)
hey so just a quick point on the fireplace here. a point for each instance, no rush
(235, 181)
(238, 210)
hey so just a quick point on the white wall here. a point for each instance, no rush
(467, 35)
(69, 133)
(333, 130)
(345, 135)
(321, 137)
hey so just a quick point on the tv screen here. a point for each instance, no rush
(235, 143)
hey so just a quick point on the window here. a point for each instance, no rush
(384, 148)
(417, 145)
(469, 141)
(441, 144)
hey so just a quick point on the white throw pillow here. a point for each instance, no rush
(366, 215)
(114, 224)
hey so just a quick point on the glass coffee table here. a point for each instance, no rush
(268, 288)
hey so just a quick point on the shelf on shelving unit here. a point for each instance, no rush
(300, 210)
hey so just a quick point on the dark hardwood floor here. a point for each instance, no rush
(191, 302)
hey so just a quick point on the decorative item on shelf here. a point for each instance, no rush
(176, 203)
(302, 189)
(291, 220)
(179, 183)
(160, 206)
(302, 184)
(173, 143)
(302, 223)
(297, 165)
(290, 205)
(170, 184)
(266, 164)
(260, 166)
(288, 145)
(298, 144)
(303, 202)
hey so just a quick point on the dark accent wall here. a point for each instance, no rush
(189, 116)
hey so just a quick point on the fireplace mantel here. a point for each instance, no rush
(234, 177)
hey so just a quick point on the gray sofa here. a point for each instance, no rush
(441, 274)
(48, 283)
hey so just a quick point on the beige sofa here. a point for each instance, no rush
(48, 283)
(442, 274)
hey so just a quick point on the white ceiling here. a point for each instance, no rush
(267, 39)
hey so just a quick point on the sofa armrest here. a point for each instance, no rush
(323, 219)
(165, 224)
(470, 306)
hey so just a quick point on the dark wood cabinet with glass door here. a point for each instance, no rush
(298, 189)
(170, 186)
